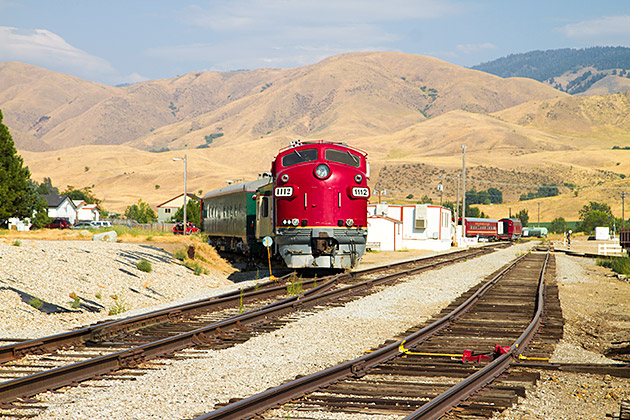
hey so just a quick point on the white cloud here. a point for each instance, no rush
(47, 49)
(475, 48)
(610, 28)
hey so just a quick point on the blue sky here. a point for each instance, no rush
(117, 42)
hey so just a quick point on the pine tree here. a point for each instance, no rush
(18, 195)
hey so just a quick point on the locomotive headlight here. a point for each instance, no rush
(358, 178)
(284, 178)
(295, 222)
(349, 222)
(322, 171)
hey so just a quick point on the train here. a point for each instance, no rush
(624, 238)
(510, 229)
(312, 207)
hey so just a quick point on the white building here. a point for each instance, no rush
(421, 226)
(167, 209)
(60, 206)
(86, 212)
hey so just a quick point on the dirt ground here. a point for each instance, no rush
(596, 307)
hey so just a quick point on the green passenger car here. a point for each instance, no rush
(229, 216)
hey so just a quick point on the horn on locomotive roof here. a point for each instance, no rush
(295, 143)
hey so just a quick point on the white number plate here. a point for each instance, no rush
(360, 192)
(284, 191)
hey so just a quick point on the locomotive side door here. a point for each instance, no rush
(264, 214)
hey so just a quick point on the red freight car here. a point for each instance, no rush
(624, 238)
(510, 229)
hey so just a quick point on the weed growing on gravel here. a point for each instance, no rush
(180, 255)
(17, 242)
(294, 287)
(36, 302)
(144, 265)
(76, 300)
(240, 302)
(195, 267)
(98, 295)
(119, 305)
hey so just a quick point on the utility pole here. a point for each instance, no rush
(441, 188)
(463, 190)
(457, 204)
(623, 221)
(539, 214)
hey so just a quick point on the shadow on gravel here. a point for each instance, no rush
(37, 303)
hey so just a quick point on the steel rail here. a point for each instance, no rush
(94, 332)
(255, 404)
(443, 403)
(98, 331)
(74, 373)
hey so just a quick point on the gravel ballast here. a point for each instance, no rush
(186, 388)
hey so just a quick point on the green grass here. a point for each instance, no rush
(294, 287)
(619, 265)
(144, 265)
(195, 267)
(17, 242)
(36, 303)
(119, 306)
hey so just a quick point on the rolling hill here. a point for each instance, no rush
(358, 94)
(410, 113)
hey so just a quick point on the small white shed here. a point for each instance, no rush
(424, 226)
(384, 233)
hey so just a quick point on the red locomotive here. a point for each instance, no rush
(314, 207)
(510, 229)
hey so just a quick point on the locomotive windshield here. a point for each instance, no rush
(299, 156)
(343, 156)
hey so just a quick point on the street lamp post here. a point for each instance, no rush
(185, 159)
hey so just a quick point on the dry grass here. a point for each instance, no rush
(205, 255)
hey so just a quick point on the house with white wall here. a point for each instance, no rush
(421, 226)
(86, 212)
(60, 206)
(167, 209)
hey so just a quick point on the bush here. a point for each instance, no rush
(619, 265)
(144, 265)
(180, 254)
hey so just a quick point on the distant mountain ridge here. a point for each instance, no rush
(574, 71)
(346, 96)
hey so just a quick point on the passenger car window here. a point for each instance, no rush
(299, 156)
(344, 157)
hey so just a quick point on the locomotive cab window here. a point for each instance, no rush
(344, 157)
(264, 207)
(299, 156)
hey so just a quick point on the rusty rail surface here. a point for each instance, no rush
(65, 375)
(253, 405)
(93, 332)
(440, 405)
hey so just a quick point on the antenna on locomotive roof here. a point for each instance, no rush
(295, 143)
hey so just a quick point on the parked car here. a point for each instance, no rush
(85, 225)
(59, 224)
(102, 223)
(178, 229)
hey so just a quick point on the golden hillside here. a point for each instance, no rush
(410, 113)
(358, 94)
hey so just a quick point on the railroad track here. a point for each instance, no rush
(218, 322)
(478, 337)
